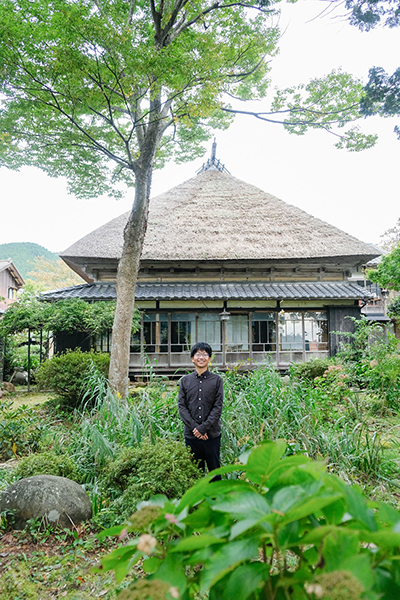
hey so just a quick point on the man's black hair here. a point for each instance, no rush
(203, 346)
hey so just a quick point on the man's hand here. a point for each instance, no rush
(199, 435)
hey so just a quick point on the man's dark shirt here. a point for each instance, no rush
(200, 403)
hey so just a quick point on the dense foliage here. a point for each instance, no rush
(21, 430)
(285, 529)
(48, 463)
(300, 533)
(66, 374)
(69, 315)
(394, 308)
(45, 274)
(387, 273)
(163, 467)
(308, 371)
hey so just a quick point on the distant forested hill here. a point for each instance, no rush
(22, 252)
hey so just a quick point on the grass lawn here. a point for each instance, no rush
(32, 398)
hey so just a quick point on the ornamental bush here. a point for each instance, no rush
(66, 374)
(48, 463)
(308, 371)
(164, 467)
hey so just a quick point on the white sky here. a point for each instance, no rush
(357, 192)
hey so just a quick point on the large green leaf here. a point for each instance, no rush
(317, 535)
(226, 558)
(244, 580)
(172, 571)
(309, 506)
(264, 459)
(358, 509)
(387, 514)
(204, 488)
(250, 504)
(287, 468)
(360, 566)
(334, 511)
(244, 525)
(196, 542)
(339, 546)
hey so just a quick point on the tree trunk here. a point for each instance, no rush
(128, 269)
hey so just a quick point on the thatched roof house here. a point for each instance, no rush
(216, 245)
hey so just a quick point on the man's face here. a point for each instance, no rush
(201, 359)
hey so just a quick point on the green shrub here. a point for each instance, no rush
(20, 430)
(308, 371)
(384, 379)
(48, 463)
(284, 530)
(66, 374)
(165, 467)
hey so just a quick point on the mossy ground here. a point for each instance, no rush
(22, 397)
(43, 566)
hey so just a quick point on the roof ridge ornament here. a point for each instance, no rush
(213, 163)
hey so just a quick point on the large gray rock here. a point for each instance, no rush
(56, 500)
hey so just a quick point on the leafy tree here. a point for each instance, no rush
(387, 274)
(382, 93)
(394, 309)
(72, 314)
(391, 237)
(103, 92)
(367, 14)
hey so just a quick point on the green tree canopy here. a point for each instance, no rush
(67, 315)
(102, 92)
(387, 274)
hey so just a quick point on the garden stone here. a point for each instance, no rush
(21, 377)
(9, 387)
(54, 500)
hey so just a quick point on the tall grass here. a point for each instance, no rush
(258, 406)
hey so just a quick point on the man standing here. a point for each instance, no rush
(200, 402)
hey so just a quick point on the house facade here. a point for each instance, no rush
(226, 263)
(10, 282)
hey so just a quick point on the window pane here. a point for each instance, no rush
(135, 341)
(237, 333)
(263, 334)
(209, 330)
(316, 331)
(290, 329)
(182, 335)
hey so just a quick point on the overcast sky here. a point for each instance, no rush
(357, 192)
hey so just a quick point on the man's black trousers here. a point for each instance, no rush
(206, 452)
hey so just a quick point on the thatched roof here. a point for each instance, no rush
(215, 216)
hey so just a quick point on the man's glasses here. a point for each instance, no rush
(201, 355)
